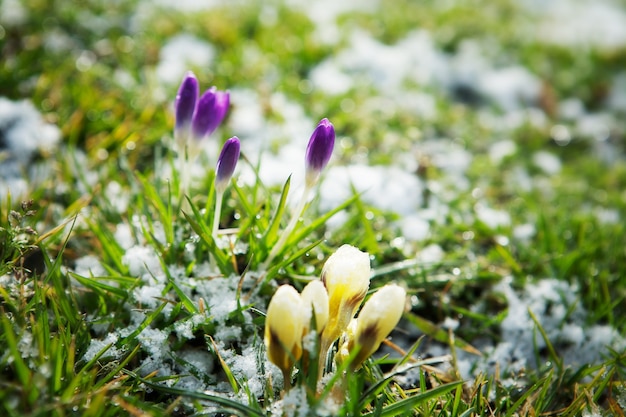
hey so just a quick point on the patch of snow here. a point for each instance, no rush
(329, 78)
(414, 227)
(180, 53)
(524, 232)
(23, 135)
(89, 265)
(386, 188)
(547, 162)
(96, 345)
(491, 217)
(431, 254)
(608, 216)
(501, 149)
(556, 307)
(13, 13)
(583, 23)
(143, 262)
(154, 341)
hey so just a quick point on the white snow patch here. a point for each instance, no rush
(557, 308)
(13, 13)
(89, 265)
(524, 232)
(96, 345)
(143, 262)
(491, 217)
(180, 53)
(24, 133)
(431, 254)
(547, 162)
(414, 227)
(386, 188)
(500, 150)
(586, 23)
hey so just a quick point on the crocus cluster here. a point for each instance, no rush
(197, 116)
(325, 312)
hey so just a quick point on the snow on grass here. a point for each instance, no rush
(23, 136)
(582, 23)
(556, 305)
(180, 53)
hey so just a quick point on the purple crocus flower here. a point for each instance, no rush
(185, 107)
(210, 111)
(197, 117)
(226, 163)
(319, 150)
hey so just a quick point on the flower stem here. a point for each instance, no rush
(219, 196)
(289, 229)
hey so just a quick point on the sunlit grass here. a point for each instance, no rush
(116, 168)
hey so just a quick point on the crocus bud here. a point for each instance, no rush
(226, 163)
(378, 317)
(210, 111)
(283, 328)
(315, 300)
(185, 106)
(319, 150)
(346, 275)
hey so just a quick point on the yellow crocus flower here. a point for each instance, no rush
(315, 300)
(284, 325)
(346, 276)
(378, 317)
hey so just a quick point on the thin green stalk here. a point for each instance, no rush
(277, 248)
(219, 196)
(183, 169)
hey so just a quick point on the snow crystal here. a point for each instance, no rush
(12, 13)
(584, 23)
(154, 341)
(431, 254)
(548, 162)
(329, 78)
(607, 215)
(414, 227)
(89, 265)
(143, 262)
(184, 328)
(293, 404)
(491, 217)
(524, 232)
(450, 323)
(124, 236)
(180, 53)
(23, 134)
(386, 188)
(149, 295)
(556, 307)
(500, 150)
(117, 196)
(510, 88)
(96, 345)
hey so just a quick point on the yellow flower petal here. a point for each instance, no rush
(378, 317)
(284, 324)
(315, 299)
(346, 276)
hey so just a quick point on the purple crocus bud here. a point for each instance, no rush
(319, 150)
(185, 107)
(210, 112)
(226, 163)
